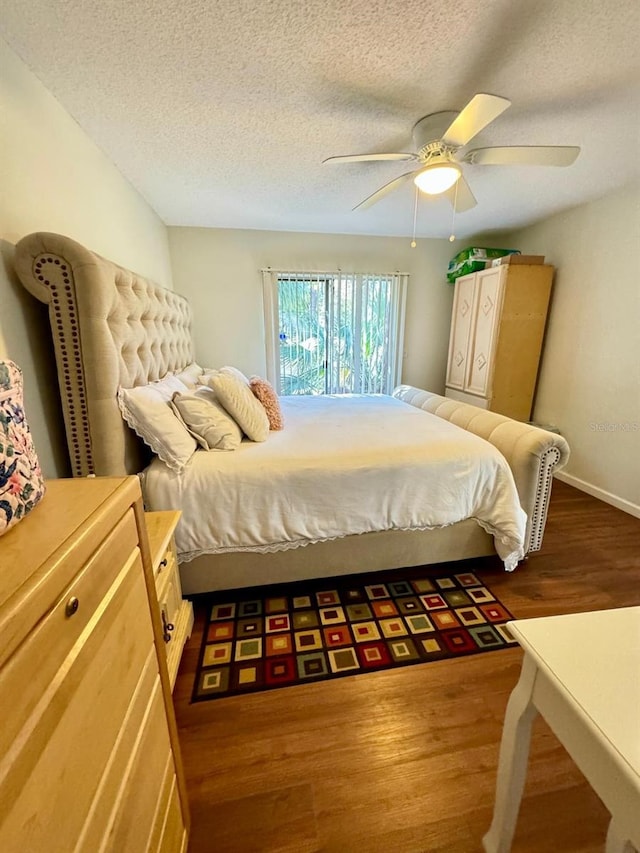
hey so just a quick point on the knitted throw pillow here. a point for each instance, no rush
(265, 392)
(244, 408)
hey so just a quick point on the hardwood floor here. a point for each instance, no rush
(404, 761)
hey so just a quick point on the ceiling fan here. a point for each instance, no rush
(437, 140)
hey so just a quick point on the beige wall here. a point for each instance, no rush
(218, 270)
(54, 178)
(589, 382)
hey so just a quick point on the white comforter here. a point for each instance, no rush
(341, 466)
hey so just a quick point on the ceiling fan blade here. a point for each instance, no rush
(460, 196)
(383, 191)
(479, 112)
(362, 158)
(524, 155)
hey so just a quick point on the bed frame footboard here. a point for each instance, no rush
(533, 454)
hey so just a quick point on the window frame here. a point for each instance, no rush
(270, 281)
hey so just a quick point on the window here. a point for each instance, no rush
(334, 332)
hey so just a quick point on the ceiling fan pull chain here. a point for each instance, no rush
(415, 216)
(452, 236)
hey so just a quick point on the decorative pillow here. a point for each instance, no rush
(237, 398)
(265, 392)
(147, 411)
(206, 376)
(209, 373)
(211, 425)
(235, 372)
(21, 483)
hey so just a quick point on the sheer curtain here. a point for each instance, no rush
(334, 332)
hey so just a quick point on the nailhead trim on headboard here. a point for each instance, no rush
(111, 328)
(53, 272)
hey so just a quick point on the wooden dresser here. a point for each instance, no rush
(89, 756)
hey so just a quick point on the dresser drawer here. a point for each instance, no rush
(167, 567)
(108, 798)
(38, 660)
(168, 787)
(173, 830)
(52, 771)
(142, 787)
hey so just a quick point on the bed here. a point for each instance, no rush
(113, 329)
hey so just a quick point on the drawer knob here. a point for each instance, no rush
(72, 606)
(163, 563)
(167, 627)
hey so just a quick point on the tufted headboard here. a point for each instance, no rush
(110, 327)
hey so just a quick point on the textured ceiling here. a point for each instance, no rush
(220, 113)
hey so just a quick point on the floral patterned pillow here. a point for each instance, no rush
(21, 483)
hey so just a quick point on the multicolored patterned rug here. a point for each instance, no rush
(266, 637)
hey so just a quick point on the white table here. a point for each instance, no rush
(582, 674)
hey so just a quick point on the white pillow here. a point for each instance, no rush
(211, 425)
(147, 411)
(238, 399)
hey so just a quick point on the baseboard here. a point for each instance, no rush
(594, 491)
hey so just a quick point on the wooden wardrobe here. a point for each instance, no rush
(497, 329)
(89, 757)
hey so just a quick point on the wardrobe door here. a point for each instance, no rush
(487, 308)
(459, 339)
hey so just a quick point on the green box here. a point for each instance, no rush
(473, 259)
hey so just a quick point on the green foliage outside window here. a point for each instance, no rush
(335, 334)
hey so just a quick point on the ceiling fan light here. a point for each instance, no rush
(437, 178)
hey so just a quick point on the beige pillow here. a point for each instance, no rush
(208, 373)
(237, 398)
(235, 372)
(147, 411)
(190, 376)
(211, 426)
